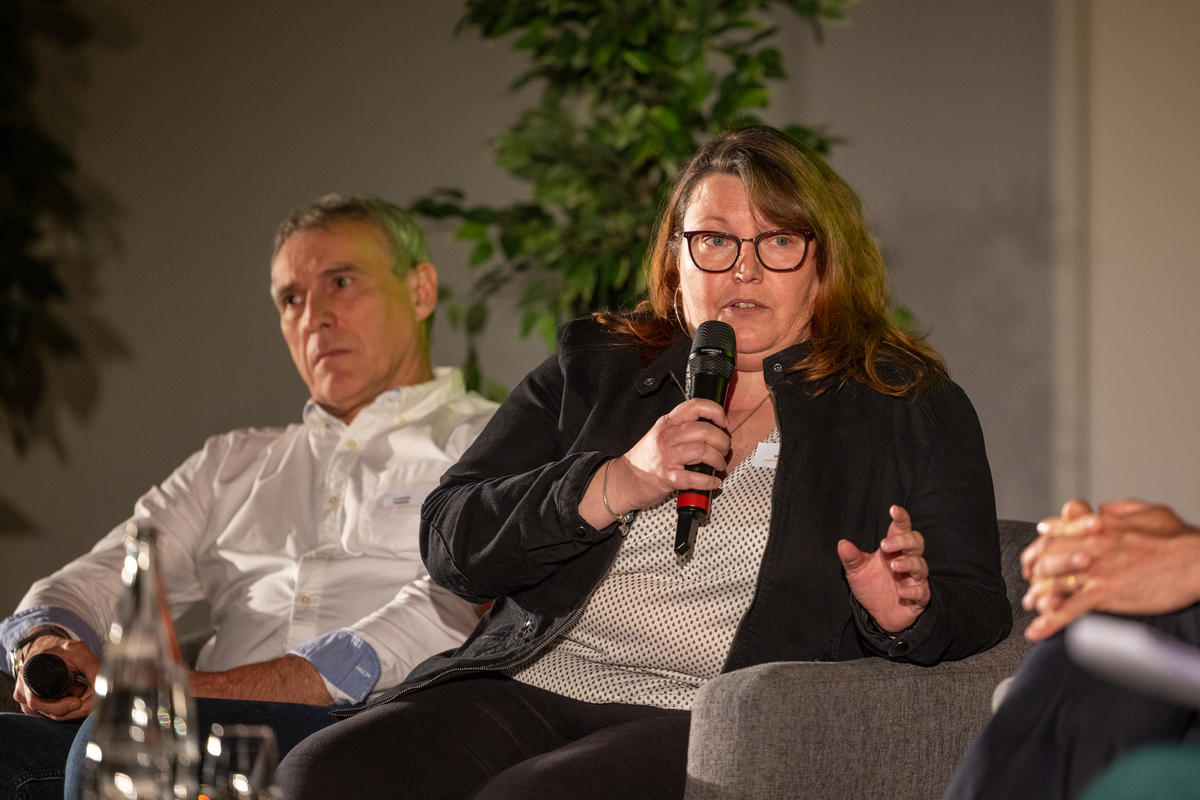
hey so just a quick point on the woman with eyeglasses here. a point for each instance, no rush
(854, 514)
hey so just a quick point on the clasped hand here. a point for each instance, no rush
(1129, 558)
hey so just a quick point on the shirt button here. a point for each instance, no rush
(351, 445)
(898, 648)
(305, 600)
(333, 501)
(778, 367)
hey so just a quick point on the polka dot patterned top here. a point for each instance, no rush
(659, 626)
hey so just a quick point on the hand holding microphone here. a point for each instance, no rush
(681, 452)
(55, 680)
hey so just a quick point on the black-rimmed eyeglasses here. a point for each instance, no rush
(778, 251)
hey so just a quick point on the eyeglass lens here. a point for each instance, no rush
(715, 252)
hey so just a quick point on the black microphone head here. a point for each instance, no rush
(713, 349)
(46, 675)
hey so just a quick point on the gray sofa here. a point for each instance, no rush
(857, 729)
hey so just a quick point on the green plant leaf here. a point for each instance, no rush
(547, 327)
(640, 61)
(472, 231)
(496, 391)
(903, 318)
(476, 318)
(471, 369)
(481, 253)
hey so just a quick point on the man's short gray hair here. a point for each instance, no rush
(406, 238)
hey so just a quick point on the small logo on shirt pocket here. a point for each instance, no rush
(406, 500)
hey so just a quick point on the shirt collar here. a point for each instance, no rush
(403, 403)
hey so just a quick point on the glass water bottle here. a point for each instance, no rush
(144, 743)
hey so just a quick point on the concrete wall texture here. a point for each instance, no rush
(221, 117)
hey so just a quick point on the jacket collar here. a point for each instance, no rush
(777, 366)
(674, 362)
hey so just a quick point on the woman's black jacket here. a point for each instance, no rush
(504, 523)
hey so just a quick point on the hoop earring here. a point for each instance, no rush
(675, 305)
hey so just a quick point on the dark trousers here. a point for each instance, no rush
(492, 737)
(1060, 726)
(33, 752)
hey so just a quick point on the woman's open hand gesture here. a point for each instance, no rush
(892, 583)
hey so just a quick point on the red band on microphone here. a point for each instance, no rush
(693, 500)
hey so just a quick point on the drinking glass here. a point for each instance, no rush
(239, 763)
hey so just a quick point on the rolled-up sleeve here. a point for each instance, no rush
(348, 665)
(423, 619)
(14, 627)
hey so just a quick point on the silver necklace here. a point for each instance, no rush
(746, 418)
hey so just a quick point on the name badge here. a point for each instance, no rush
(766, 455)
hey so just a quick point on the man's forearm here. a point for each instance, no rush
(290, 679)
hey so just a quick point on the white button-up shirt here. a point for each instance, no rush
(302, 539)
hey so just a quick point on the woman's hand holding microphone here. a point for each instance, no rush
(655, 467)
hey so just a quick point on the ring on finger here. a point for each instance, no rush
(1072, 581)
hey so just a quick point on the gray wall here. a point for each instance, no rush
(223, 116)
(1143, 346)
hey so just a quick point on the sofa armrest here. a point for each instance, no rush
(854, 729)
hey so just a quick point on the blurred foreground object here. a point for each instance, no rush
(144, 744)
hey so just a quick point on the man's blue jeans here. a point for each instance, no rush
(43, 760)
(33, 756)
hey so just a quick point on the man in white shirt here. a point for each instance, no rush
(302, 539)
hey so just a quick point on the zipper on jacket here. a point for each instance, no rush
(675, 380)
(499, 667)
(758, 575)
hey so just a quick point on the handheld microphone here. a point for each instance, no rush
(47, 676)
(710, 366)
